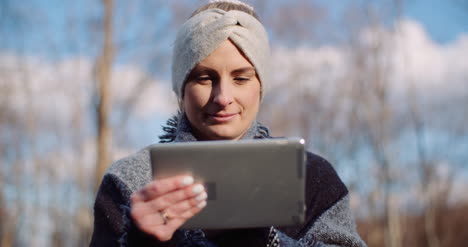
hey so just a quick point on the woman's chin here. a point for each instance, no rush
(223, 132)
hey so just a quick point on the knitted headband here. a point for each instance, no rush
(203, 33)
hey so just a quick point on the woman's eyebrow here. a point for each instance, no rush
(201, 69)
(243, 70)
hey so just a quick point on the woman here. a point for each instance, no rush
(219, 75)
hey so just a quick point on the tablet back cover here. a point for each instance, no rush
(251, 183)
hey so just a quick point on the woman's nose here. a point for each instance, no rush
(223, 93)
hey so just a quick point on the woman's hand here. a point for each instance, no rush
(162, 206)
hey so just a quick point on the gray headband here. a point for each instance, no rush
(204, 32)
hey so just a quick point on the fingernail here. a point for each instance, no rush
(197, 189)
(187, 180)
(202, 204)
(201, 197)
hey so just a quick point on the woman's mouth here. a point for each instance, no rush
(222, 117)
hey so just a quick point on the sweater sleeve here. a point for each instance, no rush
(329, 220)
(335, 227)
(113, 225)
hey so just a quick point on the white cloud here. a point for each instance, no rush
(414, 59)
(55, 90)
(155, 97)
(310, 64)
(428, 65)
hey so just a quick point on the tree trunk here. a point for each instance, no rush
(103, 78)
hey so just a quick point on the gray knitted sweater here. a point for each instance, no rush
(329, 221)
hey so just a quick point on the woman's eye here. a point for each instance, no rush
(242, 79)
(203, 79)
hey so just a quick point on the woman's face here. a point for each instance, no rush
(222, 95)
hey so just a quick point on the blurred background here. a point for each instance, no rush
(379, 88)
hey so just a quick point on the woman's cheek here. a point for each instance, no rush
(253, 97)
(201, 95)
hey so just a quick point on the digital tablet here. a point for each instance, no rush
(250, 183)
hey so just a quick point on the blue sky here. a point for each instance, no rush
(444, 20)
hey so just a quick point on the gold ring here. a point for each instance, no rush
(164, 216)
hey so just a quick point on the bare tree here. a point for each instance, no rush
(103, 108)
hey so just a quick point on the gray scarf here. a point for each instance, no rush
(178, 129)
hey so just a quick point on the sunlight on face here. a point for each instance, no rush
(222, 95)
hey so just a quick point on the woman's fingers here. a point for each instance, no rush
(177, 215)
(172, 198)
(193, 211)
(162, 206)
(175, 222)
(160, 187)
(146, 214)
(195, 193)
(179, 209)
